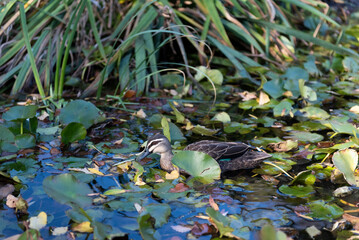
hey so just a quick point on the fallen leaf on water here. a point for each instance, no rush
(59, 231)
(84, 227)
(355, 109)
(141, 114)
(138, 207)
(39, 221)
(213, 204)
(140, 182)
(284, 146)
(19, 203)
(271, 179)
(180, 187)
(11, 201)
(181, 229)
(200, 229)
(263, 98)
(55, 151)
(354, 220)
(96, 171)
(173, 175)
(246, 96)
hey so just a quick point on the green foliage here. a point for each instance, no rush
(20, 113)
(82, 112)
(346, 161)
(66, 189)
(297, 191)
(73, 132)
(198, 164)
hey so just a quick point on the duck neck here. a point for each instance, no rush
(166, 161)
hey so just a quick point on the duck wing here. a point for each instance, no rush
(230, 156)
(220, 150)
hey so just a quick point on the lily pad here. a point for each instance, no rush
(346, 161)
(66, 189)
(25, 140)
(7, 138)
(297, 191)
(73, 132)
(325, 211)
(315, 113)
(222, 117)
(223, 223)
(306, 136)
(83, 112)
(160, 212)
(284, 108)
(20, 113)
(204, 131)
(198, 164)
(304, 178)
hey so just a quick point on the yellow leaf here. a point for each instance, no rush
(263, 98)
(354, 109)
(139, 182)
(141, 114)
(39, 221)
(173, 175)
(95, 171)
(84, 227)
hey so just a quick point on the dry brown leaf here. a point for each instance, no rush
(354, 220)
(141, 114)
(246, 96)
(180, 187)
(213, 204)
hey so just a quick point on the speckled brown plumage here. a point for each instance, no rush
(230, 155)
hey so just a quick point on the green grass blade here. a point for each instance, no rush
(29, 50)
(68, 47)
(140, 58)
(6, 77)
(216, 19)
(94, 29)
(150, 49)
(307, 37)
(4, 10)
(312, 10)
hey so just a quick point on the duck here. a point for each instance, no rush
(231, 156)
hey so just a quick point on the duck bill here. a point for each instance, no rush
(142, 155)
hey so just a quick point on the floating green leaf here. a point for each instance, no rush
(315, 113)
(222, 223)
(204, 131)
(304, 178)
(82, 112)
(346, 161)
(297, 191)
(198, 164)
(160, 212)
(20, 113)
(73, 132)
(222, 117)
(66, 189)
(25, 140)
(284, 108)
(306, 136)
(325, 211)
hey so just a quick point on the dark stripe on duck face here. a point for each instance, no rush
(153, 143)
